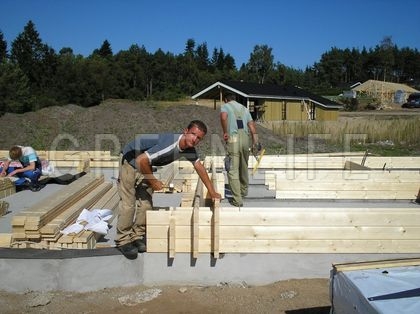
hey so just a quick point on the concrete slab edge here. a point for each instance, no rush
(92, 273)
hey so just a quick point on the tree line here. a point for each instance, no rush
(33, 75)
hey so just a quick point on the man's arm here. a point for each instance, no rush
(224, 123)
(143, 164)
(253, 130)
(202, 173)
(31, 166)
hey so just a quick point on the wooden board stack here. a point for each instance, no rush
(346, 184)
(6, 187)
(284, 230)
(40, 225)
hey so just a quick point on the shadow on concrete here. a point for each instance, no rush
(10, 253)
(312, 310)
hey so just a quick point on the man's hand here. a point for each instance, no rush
(11, 174)
(215, 195)
(256, 148)
(156, 185)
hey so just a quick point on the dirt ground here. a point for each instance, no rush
(291, 296)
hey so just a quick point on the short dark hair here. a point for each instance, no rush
(199, 124)
(15, 153)
(230, 97)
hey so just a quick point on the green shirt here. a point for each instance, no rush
(236, 111)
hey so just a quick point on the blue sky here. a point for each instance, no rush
(298, 31)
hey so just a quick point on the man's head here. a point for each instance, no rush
(199, 124)
(229, 97)
(15, 153)
(193, 134)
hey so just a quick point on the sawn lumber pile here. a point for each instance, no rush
(39, 225)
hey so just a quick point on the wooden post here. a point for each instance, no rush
(216, 214)
(196, 218)
(215, 226)
(172, 237)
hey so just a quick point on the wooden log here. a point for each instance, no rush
(285, 230)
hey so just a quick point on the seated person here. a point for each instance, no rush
(30, 167)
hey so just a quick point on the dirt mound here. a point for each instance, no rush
(111, 124)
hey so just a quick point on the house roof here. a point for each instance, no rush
(264, 91)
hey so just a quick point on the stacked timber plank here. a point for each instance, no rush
(166, 174)
(355, 184)
(336, 161)
(4, 206)
(7, 187)
(215, 230)
(299, 161)
(87, 239)
(41, 223)
(284, 230)
(187, 179)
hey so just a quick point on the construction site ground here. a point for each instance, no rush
(222, 297)
(304, 296)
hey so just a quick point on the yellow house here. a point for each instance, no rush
(269, 102)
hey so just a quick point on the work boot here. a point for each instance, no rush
(36, 187)
(140, 244)
(129, 250)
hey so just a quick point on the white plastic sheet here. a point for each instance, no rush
(95, 220)
(351, 290)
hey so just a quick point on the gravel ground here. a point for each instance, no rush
(291, 296)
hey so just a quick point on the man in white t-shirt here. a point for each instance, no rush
(29, 168)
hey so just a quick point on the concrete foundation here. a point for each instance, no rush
(23, 270)
(91, 270)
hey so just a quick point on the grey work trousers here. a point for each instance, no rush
(131, 223)
(238, 150)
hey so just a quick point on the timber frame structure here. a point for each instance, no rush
(383, 91)
(199, 225)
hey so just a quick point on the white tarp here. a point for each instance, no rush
(390, 290)
(95, 220)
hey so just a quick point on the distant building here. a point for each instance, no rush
(384, 91)
(269, 102)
